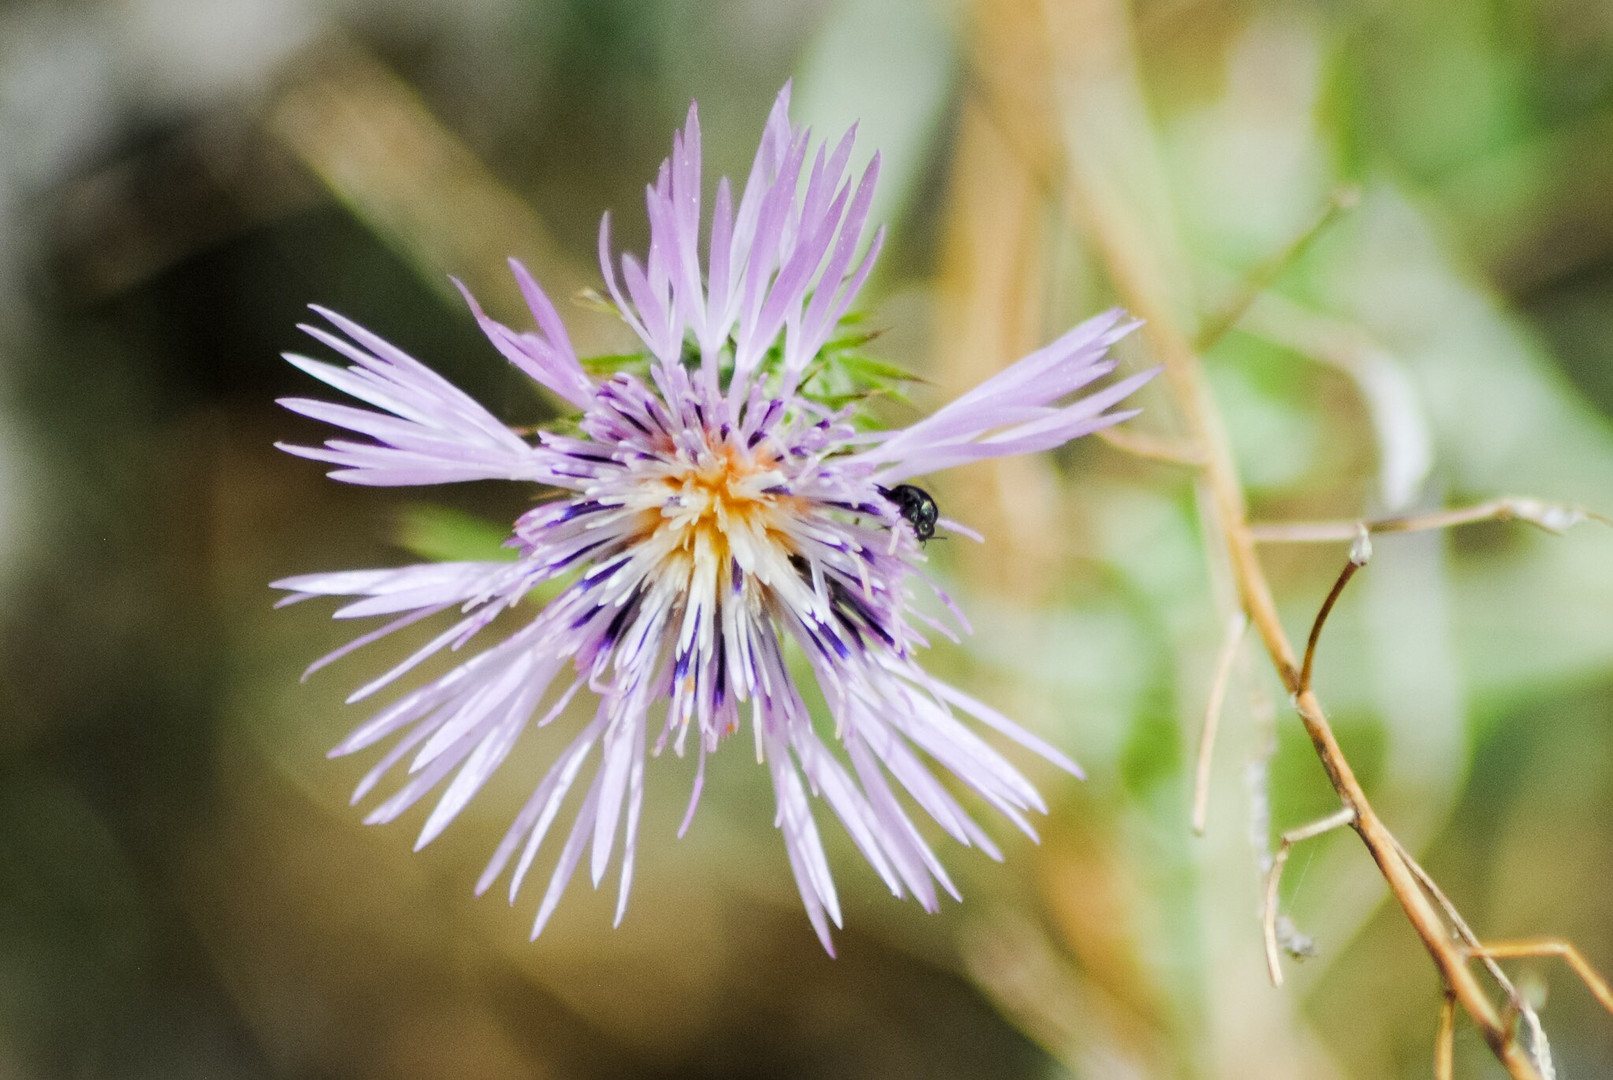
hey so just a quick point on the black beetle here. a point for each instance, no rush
(916, 506)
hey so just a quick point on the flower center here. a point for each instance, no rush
(726, 504)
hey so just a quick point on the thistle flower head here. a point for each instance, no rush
(711, 517)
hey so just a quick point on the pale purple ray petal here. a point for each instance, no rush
(493, 747)
(829, 776)
(420, 701)
(606, 265)
(801, 837)
(547, 359)
(435, 433)
(613, 769)
(912, 856)
(570, 855)
(1014, 411)
(374, 635)
(433, 583)
(919, 783)
(416, 787)
(532, 823)
(821, 315)
(635, 805)
(524, 679)
(398, 751)
(719, 299)
(694, 792)
(997, 721)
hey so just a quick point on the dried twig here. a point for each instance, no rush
(1135, 280)
(1103, 198)
(1268, 921)
(1517, 1004)
(1463, 931)
(1445, 1040)
(1555, 518)
(1212, 717)
(1511, 950)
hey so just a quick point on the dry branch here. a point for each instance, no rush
(1555, 518)
(1510, 950)
(1445, 1040)
(1093, 163)
(1134, 279)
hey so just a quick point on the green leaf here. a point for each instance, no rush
(611, 363)
(445, 535)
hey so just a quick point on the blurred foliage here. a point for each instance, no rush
(844, 373)
(183, 889)
(442, 534)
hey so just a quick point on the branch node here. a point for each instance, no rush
(1361, 546)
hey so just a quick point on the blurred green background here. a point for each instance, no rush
(184, 891)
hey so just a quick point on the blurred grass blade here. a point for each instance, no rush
(445, 535)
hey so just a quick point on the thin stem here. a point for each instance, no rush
(1445, 1039)
(1516, 1003)
(1509, 950)
(1553, 517)
(1360, 552)
(1459, 924)
(1212, 717)
(1216, 327)
(1186, 380)
(1152, 447)
(1268, 919)
(1120, 239)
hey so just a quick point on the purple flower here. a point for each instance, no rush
(707, 524)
